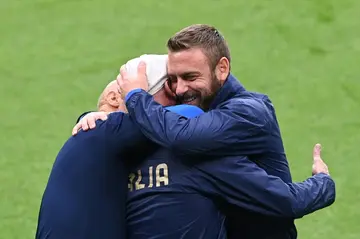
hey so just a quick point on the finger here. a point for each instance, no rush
(91, 122)
(123, 73)
(141, 70)
(317, 152)
(119, 82)
(103, 117)
(84, 125)
(76, 129)
(123, 66)
(118, 78)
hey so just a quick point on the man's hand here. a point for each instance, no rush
(88, 121)
(128, 83)
(318, 165)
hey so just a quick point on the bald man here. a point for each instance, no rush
(84, 189)
(86, 192)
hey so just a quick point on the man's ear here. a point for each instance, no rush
(113, 99)
(222, 69)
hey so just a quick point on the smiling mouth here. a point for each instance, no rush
(190, 99)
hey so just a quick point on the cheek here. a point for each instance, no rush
(201, 85)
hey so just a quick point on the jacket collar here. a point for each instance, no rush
(230, 88)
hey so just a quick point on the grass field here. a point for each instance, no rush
(56, 55)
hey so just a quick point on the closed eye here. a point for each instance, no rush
(190, 77)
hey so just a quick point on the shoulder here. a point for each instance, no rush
(113, 123)
(116, 117)
(247, 102)
(117, 121)
(255, 106)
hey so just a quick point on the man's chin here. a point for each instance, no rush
(195, 102)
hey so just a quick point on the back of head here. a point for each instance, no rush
(155, 70)
(202, 36)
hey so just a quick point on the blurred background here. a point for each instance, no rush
(57, 55)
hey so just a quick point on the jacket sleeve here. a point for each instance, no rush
(123, 132)
(243, 184)
(243, 122)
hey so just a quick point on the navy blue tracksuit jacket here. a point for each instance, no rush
(239, 123)
(85, 196)
(85, 193)
(170, 195)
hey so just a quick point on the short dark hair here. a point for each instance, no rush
(202, 36)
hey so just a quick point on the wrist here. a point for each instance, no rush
(132, 92)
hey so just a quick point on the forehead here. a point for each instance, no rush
(191, 60)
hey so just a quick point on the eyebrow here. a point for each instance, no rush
(185, 73)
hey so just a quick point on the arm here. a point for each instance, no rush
(242, 125)
(121, 130)
(88, 120)
(242, 183)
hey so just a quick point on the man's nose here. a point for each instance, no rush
(181, 87)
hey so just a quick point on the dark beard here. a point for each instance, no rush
(208, 99)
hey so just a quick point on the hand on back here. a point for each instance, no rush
(88, 121)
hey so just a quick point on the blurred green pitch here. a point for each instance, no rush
(57, 55)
